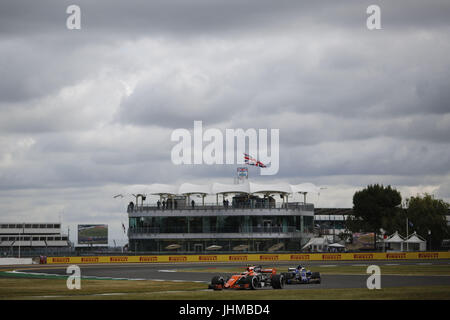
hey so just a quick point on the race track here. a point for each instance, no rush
(169, 272)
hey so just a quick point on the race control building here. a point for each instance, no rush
(244, 217)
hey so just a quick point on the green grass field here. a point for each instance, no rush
(55, 289)
(35, 288)
(19, 286)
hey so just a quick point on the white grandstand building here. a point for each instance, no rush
(243, 217)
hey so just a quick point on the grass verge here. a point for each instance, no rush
(29, 288)
(55, 289)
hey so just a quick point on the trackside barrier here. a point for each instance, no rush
(252, 257)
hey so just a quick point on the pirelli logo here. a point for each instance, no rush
(363, 256)
(396, 255)
(299, 256)
(207, 258)
(89, 259)
(331, 257)
(148, 259)
(118, 259)
(270, 258)
(178, 259)
(238, 258)
(431, 255)
(61, 260)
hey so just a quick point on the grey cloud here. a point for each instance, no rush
(203, 16)
(85, 113)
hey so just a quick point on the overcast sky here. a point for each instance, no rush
(85, 114)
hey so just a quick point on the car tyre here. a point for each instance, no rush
(217, 280)
(278, 281)
(254, 282)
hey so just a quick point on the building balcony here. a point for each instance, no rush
(290, 209)
(220, 233)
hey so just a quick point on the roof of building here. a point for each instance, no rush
(220, 188)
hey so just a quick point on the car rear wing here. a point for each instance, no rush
(269, 270)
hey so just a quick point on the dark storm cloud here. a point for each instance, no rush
(206, 16)
(85, 113)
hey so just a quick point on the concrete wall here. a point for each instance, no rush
(11, 261)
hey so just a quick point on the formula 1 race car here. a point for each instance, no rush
(254, 277)
(300, 275)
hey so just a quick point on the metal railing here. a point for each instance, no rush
(238, 229)
(209, 206)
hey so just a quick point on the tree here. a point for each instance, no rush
(427, 213)
(374, 207)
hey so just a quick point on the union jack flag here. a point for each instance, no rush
(252, 161)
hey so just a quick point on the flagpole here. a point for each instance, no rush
(407, 244)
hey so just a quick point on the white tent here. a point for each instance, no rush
(395, 241)
(316, 244)
(416, 243)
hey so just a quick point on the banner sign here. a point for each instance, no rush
(266, 258)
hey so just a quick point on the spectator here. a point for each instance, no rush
(193, 203)
(158, 204)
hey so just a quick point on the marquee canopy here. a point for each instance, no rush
(220, 188)
(394, 238)
(415, 238)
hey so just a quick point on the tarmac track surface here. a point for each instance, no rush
(169, 272)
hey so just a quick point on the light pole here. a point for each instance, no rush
(429, 239)
(407, 243)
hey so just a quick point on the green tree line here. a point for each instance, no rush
(377, 208)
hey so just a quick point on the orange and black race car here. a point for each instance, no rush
(254, 277)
